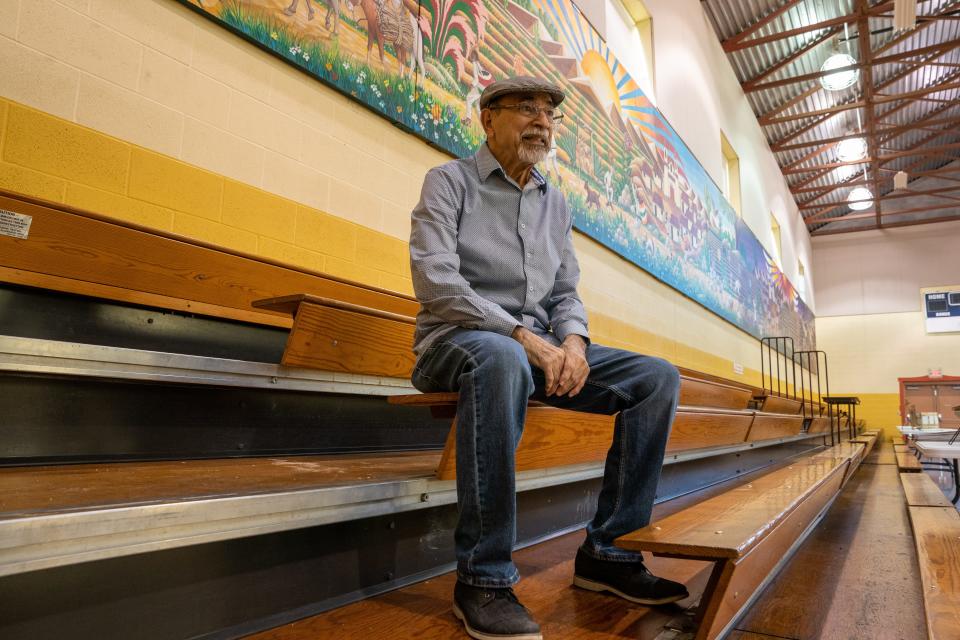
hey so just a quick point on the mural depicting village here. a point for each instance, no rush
(631, 182)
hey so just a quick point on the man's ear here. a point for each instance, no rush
(486, 119)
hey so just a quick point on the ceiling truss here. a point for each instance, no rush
(905, 104)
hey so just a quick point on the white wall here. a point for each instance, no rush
(882, 271)
(870, 320)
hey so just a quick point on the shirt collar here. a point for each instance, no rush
(487, 164)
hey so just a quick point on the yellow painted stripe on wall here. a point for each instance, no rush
(877, 410)
(48, 157)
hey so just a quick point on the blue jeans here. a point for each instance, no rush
(495, 381)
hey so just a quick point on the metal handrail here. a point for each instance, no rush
(806, 360)
(778, 345)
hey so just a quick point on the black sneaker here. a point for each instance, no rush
(629, 580)
(493, 614)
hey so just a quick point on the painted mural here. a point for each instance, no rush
(631, 182)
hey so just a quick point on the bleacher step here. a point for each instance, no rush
(936, 531)
(854, 577)
(423, 611)
(921, 491)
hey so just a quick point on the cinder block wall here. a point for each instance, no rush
(147, 112)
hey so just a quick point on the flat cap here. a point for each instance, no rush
(520, 84)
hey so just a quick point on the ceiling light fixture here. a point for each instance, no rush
(841, 79)
(845, 171)
(852, 149)
(860, 193)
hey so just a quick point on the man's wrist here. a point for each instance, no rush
(575, 341)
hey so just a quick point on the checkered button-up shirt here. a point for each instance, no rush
(487, 254)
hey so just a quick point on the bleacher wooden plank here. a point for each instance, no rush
(921, 491)
(335, 336)
(906, 461)
(49, 489)
(119, 294)
(693, 393)
(708, 393)
(745, 575)
(557, 437)
(779, 404)
(819, 424)
(842, 449)
(80, 252)
(701, 427)
(709, 377)
(767, 426)
(551, 437)
(868, 441)
(855, 451)
(846, 449)
(813, 407)
(936, 531)
(854, 577)
(426, 399)
(725, 526)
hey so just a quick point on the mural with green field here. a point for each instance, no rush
(629, 179)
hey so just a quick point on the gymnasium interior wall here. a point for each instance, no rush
(145, 111)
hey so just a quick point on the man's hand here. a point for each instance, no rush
(565, 369)
(542, 355)
(575, 367)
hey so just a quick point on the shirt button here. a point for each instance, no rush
(531, 289)
(523, 226)
(529, 254)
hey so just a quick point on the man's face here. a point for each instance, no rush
(513, 129)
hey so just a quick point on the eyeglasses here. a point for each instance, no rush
(532, 111)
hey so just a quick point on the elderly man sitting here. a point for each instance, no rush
(500, 321)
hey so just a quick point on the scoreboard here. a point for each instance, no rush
(941, 307)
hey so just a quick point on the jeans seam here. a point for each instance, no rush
(614, 389)
(473, 400)
(479, 494)
(620, 471)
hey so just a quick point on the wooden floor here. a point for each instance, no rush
(26, 491)
(855, 577)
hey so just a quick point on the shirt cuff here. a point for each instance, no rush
(502, 323)
(569, 327)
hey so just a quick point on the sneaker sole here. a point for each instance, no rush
(480, 635)
(591, 585)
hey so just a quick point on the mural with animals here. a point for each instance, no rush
(631, 182)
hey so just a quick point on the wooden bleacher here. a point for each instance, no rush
(906, 458)
(554, 436)
(747, 531)
(78, 252)
(110, 510)
(936, 532)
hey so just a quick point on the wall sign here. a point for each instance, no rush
(631, 182)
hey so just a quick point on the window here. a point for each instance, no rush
(777, 245)
(801, 281)
(731, 173)
(644, 24)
